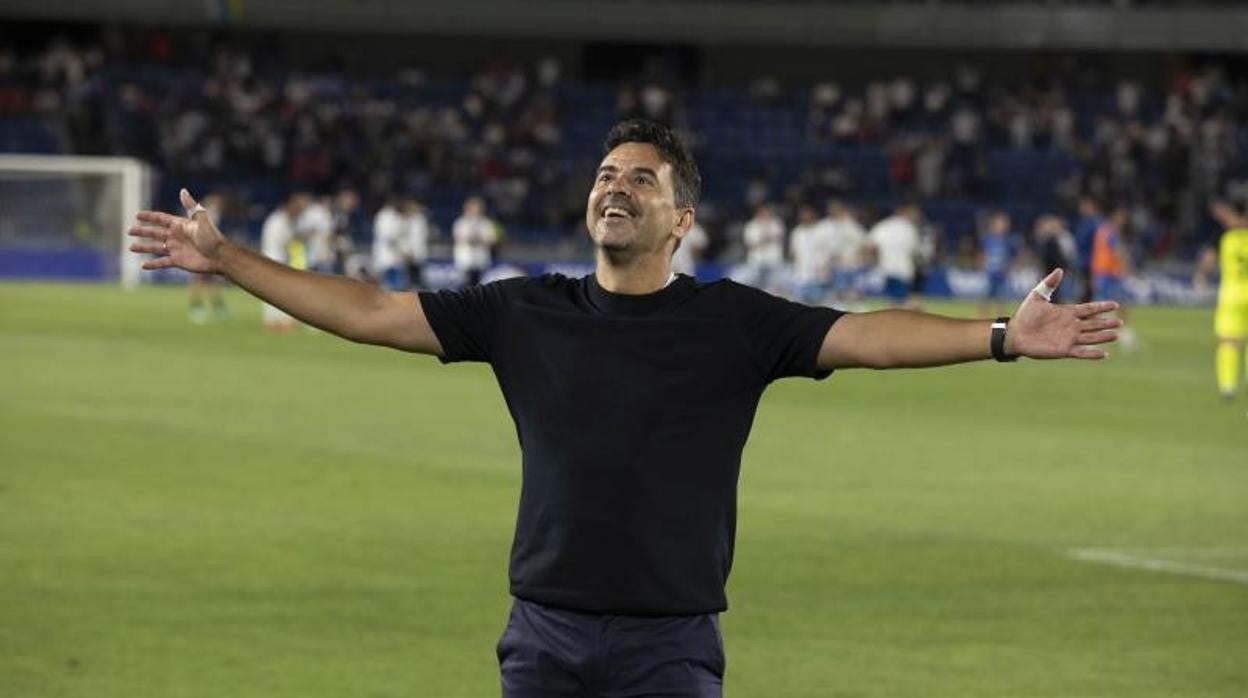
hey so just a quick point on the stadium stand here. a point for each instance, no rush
(526, 136)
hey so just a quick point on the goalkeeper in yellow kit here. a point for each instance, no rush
(1230, 321)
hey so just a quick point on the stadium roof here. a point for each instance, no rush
(1037, 24)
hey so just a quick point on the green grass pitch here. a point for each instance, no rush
(215, 511)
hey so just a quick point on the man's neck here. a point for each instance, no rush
(636, 277)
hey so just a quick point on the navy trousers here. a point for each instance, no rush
(552, 653)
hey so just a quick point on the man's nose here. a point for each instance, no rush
(619, 185)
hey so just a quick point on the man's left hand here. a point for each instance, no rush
(1043, 330)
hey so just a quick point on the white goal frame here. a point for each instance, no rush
(136, 191)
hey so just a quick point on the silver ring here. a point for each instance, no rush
(165, 246)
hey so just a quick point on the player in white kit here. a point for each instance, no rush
(389, 239)
(764, 244)
(810, 252)
(316, 228)
(475, 236)
(416, 242)
(896, 243)
(278, 242)
(846, 238)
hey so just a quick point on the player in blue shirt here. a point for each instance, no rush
(997, 249)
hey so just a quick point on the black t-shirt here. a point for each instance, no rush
(632, 412)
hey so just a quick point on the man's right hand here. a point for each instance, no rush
(193, 243)
(352, 309)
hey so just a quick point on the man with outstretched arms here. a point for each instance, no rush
(633, 391)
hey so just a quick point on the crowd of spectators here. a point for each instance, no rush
(230, 120)
(1162, 149)
(1164, 152)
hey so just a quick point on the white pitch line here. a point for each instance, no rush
(1152, 564)
(1189, 553)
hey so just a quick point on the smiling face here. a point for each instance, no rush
(632, 207)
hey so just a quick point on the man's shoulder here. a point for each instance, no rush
(543, 289)
(548, 281)
(549, 290)
(731, 295)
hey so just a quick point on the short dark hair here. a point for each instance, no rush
(686, 180)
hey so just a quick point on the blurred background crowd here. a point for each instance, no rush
(1037, 144)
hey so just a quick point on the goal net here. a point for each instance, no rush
(65, 216)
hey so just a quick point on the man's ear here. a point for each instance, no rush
(684, 222)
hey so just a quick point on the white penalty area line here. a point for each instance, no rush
(1149, 563)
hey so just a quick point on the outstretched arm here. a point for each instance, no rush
(346, 307)
(910, 339)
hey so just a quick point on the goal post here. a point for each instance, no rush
(66, 215)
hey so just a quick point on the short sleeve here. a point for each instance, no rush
(466, 321)
(784, 336)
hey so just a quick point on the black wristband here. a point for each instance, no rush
(998, 340)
